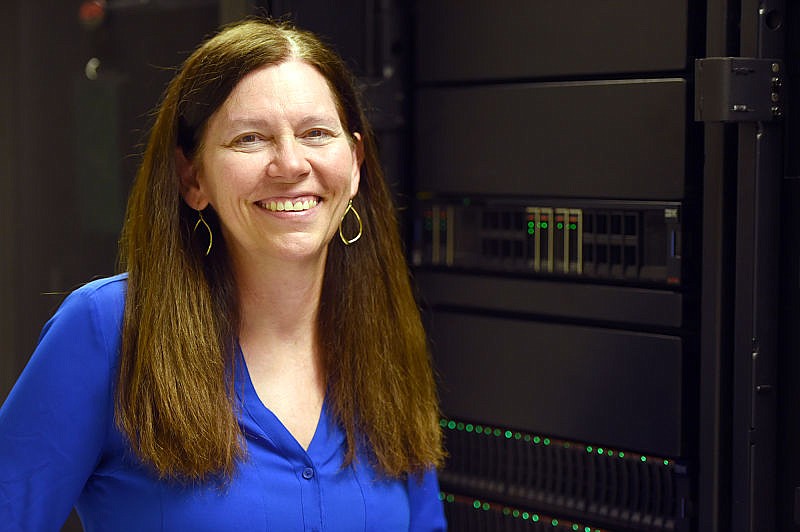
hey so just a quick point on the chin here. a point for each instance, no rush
(303, 252)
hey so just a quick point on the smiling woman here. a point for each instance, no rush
(276, 145)
(248, 370)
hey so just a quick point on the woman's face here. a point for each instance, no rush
(276, 165)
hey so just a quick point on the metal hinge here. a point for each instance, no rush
(738, 89)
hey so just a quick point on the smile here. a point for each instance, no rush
(288, 205)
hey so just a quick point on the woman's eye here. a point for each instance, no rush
(317, 134)
(249, 138)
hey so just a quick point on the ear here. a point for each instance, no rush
(190, 186)
(358, 159)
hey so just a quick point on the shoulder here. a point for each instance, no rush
(98, 305)
(105, 291)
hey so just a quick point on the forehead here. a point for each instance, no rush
(291, 86)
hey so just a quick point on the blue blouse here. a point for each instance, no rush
(60, 447)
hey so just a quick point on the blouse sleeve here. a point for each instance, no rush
(427, 511)
(55, 420)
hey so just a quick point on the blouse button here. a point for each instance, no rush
(308, 473)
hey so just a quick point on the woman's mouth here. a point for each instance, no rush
(288, 205)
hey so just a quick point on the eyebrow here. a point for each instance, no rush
(308, 120)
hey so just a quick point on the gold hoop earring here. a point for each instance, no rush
(348, 241)
(200, 220)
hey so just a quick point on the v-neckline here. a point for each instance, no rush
(270, 424)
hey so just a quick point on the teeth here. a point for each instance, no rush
(289, 206)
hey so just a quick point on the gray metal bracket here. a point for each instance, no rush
(738, 89)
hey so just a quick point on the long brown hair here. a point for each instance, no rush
(175, 397)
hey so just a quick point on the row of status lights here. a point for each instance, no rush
(516, 513)
(544, 225)
(539, 440)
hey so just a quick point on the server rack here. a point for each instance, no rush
(596, 253)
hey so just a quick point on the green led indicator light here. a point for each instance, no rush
(599, 450)
(536, 439)
(479, 429)
(535, 518)
(588, 448)
(666, 462)
(621, 454)
(643, 459)
(559, 225)
(476, 504)
(460, 426)
(575, 527)
(441, 496)
(543, 225)
(443, 423)
(517, 435)
(515, 513)
(547, 441)
(509, 434)
(554, 522)
(530, 230)
(451, 425)
(573, 226)
(531, 225)
(497, 432)
(587, 529)
(525, 515)
(485, 506)
(469, 427)
(610, 452)
(527, 437)
(450, 498)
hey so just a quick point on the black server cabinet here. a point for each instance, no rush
(584, 248)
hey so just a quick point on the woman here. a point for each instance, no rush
(261, 365)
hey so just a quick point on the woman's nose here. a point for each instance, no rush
(288, 160)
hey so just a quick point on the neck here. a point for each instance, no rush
(279, 303)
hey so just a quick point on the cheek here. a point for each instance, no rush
(231, 176)
(349, 172)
